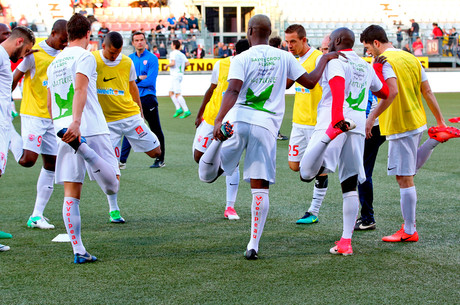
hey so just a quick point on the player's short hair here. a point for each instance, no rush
(275, 42)
(114, 39)
(60, 26)
(176, 44)
(23, 32)
(297, 28)
(77, 27)
(374, 32)
(241, 46)
(137, 33)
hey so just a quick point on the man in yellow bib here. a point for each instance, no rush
(205, 123)
(402, 120)
(121, 104)
(304, 115)
(36, 125)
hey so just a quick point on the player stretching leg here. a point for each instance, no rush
(78, 119)
(123, 110)
(345, 84)
(254, 103)
(205, 123)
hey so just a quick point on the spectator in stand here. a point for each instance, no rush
(417, 46)
(414, 30)
(406, 48)
(439, 35)
(162, 50)
(193, 23)
(151, 38)
(284, 46)
(452, 41)
(155, 51)
(223, 52)
(399, 36)
(192, 44)
(102, 33)
(183, 22)
(172, 35)
(217, 49)
(183, 37)
(23, 21)
(160, 30)
(172, 22)
(13, 24)
(231, 49)
(199, 52)
(184, 50)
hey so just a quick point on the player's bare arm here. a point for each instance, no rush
(229, 99)
(382, 105)
(206, 99)
(289, 83)
(432, 103)
(172, 63)
(48, 103)
(79, 101)
(17, 75)
(134, 91)
(309, 80)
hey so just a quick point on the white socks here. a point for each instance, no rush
(312, 159)
(182, 103)
(175, 102)
(72, 222)
(408, 206)
(45, 187)
(318, 197)
(16, 144)
(209, 165)
(232, 187)
(350, 212)
(102, 171)
(424, 152)
(259, 212)
(113, 202)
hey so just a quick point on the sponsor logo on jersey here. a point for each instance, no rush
(200, 138)
(140, 131)
(31, 137)
(108, 79)
(110, 91)
(45, 83)
(302, 90)
(145, 62)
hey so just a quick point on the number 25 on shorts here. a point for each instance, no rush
(293, 150)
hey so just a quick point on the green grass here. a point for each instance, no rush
(177, 248)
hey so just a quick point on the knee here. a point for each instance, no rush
(197, 155)
(306, 176)
(112, 188)
(349, 185)
(26, 162)
(294, 166)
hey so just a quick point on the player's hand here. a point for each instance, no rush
(380, 60)
(217, 133)
(142, 77)
(369, 124)
(72, 132)
(198, 120)
(30, 52)
(342, 125)
(334, 55)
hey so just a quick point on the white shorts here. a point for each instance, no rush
(5, 137)
(71, 167)
(260, 145)
(402, 155)
(176, 84)
(38, 135)
(203, 137)
(139, 135)
(346, 151)
(298, 141)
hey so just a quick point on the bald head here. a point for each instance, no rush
(5, 32)
(259, 29)
(341, 38)
(58, 37)
(60, 26)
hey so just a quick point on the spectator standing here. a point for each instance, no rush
(103, 31)
(160, 30)
(399, 36)
(437, 34)
(414, 30)
(172, 35)
(23, 21)
(162, 50)
(231, 49)
(417, 46)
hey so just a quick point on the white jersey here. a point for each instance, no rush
(61, 83)
(263, 70)
(359, 78)
(179, 63)
(29, 61)
(6, 81)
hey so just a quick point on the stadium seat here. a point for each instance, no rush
(125, 26)
(115, 27)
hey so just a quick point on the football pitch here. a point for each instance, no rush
(177, 248)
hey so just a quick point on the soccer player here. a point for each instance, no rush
(18, 44)
(205, 123)
(345, 84)
(402, 120)
(304, 115)
(146, 65)
(38, 135)
(254, 103)
(177, 64)
(78, 119)
(119, 98)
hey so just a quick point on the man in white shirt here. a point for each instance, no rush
(345, 84)
(78, 119)
(37, 130)
(13, 48)
(254, 103)
(177, 64)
